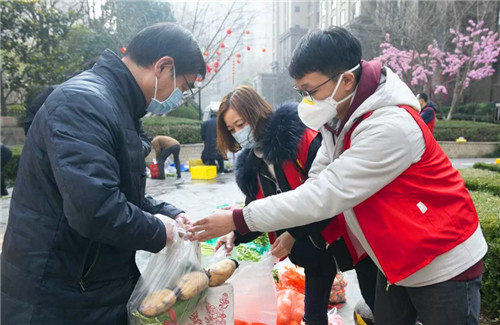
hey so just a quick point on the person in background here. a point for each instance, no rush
(6, 154)
(165, 146)
(428, 110)
(379, 166)
(210, 155)
(277, 153)
(78, 211)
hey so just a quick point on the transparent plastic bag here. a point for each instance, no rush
(170, 288)
(254, 292)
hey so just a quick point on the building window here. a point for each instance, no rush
(297, 26)
(334, 20)
(356, 9)
(342, 18)
(297, 8)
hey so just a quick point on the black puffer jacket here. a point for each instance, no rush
(77, 211)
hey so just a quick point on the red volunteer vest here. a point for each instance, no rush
(425, 212)
(293, 174)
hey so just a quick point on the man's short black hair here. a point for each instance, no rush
(329, 52)
(167, 39)
(424, 97)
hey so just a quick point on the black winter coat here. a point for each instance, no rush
(78, 211)
(209, 137)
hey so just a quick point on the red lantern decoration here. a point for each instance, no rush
(123, 49)
(216, 64)
(222, 45)
(248, 48)
(215, 70)
(238, 55)
(229, 31)
(263, 50)
(209, 69)
(238, 61)
(218, 52)
(205, 53)
(247, 32)
(198, 79)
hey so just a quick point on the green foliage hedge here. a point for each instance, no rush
(10, 169)
(488, 209)
(492, 167)
(481, 180)
(472, 131)
(182, 129)
(188, 110)
(480, 112)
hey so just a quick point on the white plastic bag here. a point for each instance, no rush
(254, 291)
(170, 288)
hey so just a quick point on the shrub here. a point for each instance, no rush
(472, 131)
(480, 112)
(492, 167)
(481, 180)
(18, 111)
(10, 169)
(183, 129)
(488, 209)
(188, 110)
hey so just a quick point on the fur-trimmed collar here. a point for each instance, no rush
(279, 143)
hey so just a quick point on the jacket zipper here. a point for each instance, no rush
(278, 189)
(94, 262)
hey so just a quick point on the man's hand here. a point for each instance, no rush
(216, 224)
(171, 229)
(227, 240)
(283, 245)
(183, 220)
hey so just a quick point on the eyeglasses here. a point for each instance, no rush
(309, 93)
(190, 86)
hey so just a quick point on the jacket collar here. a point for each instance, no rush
(279, 143)
(110, 67)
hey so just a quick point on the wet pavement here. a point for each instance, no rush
(200, 197)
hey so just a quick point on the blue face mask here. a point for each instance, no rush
(245, 138)
(171, 103)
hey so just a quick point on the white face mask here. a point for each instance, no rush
(315, 114)
(245, 137)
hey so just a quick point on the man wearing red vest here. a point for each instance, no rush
(380, 166)
(428, 111)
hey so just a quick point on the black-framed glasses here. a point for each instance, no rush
(190, 86)
(309, 93)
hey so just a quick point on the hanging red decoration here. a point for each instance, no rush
(247, 32)
(216, 64)
(263, 50)
(205, 53)
(248, 48)
(198, 79)
(209, 69)
(215, 70)
(229, 31)
(238, 61)
(238, 55)
(123, 49)
(222, 45)
(218, 52)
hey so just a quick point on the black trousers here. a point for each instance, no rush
(220, 163)
(164, 154)
(320, 268)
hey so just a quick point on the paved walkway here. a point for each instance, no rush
(199, 198)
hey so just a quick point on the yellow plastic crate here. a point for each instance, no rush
(203, 172)
(195, 162)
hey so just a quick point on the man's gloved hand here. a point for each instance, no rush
(171, 229)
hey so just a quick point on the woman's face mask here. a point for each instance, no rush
(171, 103)
(314, 114)
(245, 137)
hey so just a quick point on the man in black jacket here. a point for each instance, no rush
(210, 155)
(78, 211)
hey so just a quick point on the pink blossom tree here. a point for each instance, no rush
(472, 56)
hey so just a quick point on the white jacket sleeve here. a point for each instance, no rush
(383, 146)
